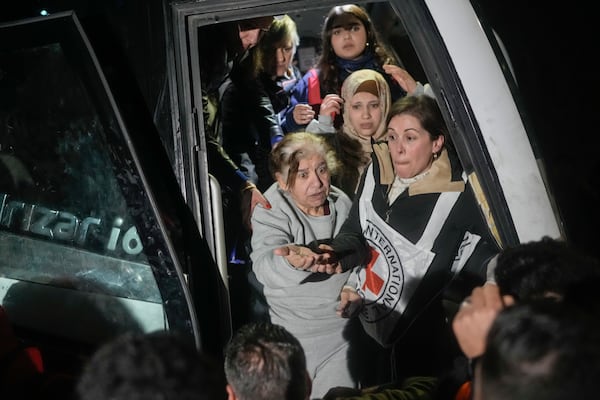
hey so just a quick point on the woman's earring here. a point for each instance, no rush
(435, 156)
(367, 44)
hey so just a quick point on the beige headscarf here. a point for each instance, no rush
(365, 80)
(368, 80)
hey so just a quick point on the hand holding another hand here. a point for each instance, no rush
(302, 257)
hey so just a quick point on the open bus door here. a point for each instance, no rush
(95, 236)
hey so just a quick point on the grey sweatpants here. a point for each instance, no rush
(327, 362)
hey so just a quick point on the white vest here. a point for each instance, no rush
(397, 265)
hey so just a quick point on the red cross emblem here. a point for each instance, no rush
(373, 282)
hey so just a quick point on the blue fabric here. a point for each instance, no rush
(366, 61)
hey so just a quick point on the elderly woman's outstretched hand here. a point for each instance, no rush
(302, 257)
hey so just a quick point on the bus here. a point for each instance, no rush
(110, 221)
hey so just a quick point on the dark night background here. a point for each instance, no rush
(551, 46)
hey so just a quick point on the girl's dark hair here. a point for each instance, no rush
(327, 65)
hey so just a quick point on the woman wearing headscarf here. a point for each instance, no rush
(365, 102)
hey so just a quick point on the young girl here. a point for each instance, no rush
(350, 42)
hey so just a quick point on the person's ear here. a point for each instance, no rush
(438, 144)
(230, 393)
(281, 182)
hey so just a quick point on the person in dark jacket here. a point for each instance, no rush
(216, 64)
(250, 98)
(275, 62)
(254, 96)
(218, 59)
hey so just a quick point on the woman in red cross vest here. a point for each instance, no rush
(420, 235)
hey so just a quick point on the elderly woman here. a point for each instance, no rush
(305, 208)
(416, 237)
(366, 101)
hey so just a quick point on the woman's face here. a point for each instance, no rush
(349, 41)
(312, 183)
(283, 58)
(364, 113)
(411, 146)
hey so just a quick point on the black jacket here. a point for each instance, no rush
(249, 121)
(425, 343)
